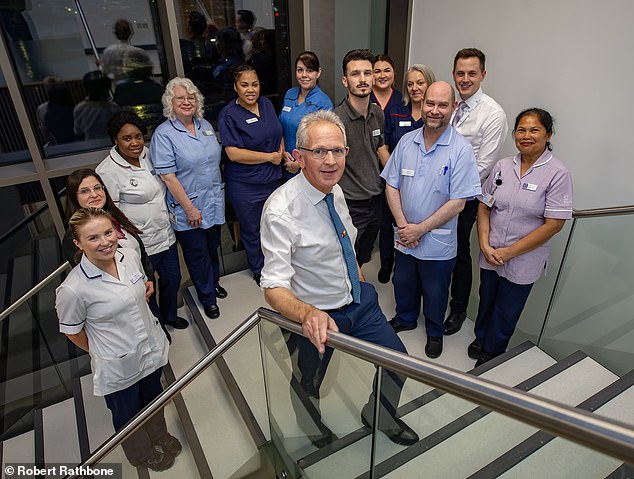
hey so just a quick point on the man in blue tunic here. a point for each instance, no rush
(430, 175)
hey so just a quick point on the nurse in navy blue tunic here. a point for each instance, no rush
(300, 101)
(251, 136)
(401, 117)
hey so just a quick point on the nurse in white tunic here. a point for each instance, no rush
(102, 308)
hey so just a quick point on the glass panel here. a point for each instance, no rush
(29, 251)
(38, 363)
(12, 143)
(594, 300)
(302, 423)
(216, 35)
(68, 93)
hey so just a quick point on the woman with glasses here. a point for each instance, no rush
(186, 155)
(298, 102)
(251, 136)
(85, 189)
(140, 194)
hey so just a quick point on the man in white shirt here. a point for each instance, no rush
(482, 121)
(307, 236)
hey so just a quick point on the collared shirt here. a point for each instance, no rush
(484, 125)
(427, 179)
(302, 252)
(292, 112)
(521, 204)
(90, 118)
(195, 159)
(238, 127)
(126, 342)
(361, 179)
(140, 194)
(398, 121)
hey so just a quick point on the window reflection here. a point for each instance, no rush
(12, 143)
(217, 35)
(75, 74)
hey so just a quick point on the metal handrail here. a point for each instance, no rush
(605, 435)
(610, 211)
(26, 296)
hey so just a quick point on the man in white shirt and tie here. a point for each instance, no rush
(482, 121)
(311, 276)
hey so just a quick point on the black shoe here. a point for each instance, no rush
(453, 323)
(399, 326)
(484, 357)
(170, 445)
(221, 292)
(160, 460)
(180, 323)
(324, 437)
(395, 429)
(475, 349)
(384, 275)
(433, 348)
(257, 278)
(212, 311)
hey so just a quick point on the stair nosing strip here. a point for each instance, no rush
(80, 419)
(38, 437)
(624, 471)
(202, 465)
(502, 358)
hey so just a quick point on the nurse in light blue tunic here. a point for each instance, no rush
(186, 154)
(298, 102)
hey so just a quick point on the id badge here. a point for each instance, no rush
(172, 217)
(488, 200)
(398, 244)
(136, 277)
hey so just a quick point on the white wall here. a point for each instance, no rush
(571, 57)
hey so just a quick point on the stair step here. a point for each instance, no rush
(59, 422)
(19, 449)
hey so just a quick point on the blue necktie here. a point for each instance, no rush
(346, 246)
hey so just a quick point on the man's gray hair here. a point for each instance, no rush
(315, 117)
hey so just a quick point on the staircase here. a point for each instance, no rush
(228, 421)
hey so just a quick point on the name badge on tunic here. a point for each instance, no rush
(251, 120)
(134, 182)
(488, 200)
(406, 172)
(208, 133)
(376, 132)
(286, 108)
(529, 186)
(136, 277)
(404, 123)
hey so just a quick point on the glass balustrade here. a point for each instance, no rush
(594, 298)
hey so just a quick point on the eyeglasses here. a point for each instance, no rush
(181, 99)
(320, 153)
(95, 189)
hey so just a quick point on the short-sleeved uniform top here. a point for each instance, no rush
(292, 112)
(195, 159)
(398, 121)
(521, 204)
(427, 179)
(239, 127)
(361, 178)
(393, 105)
(140, 194)
(126, 341)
